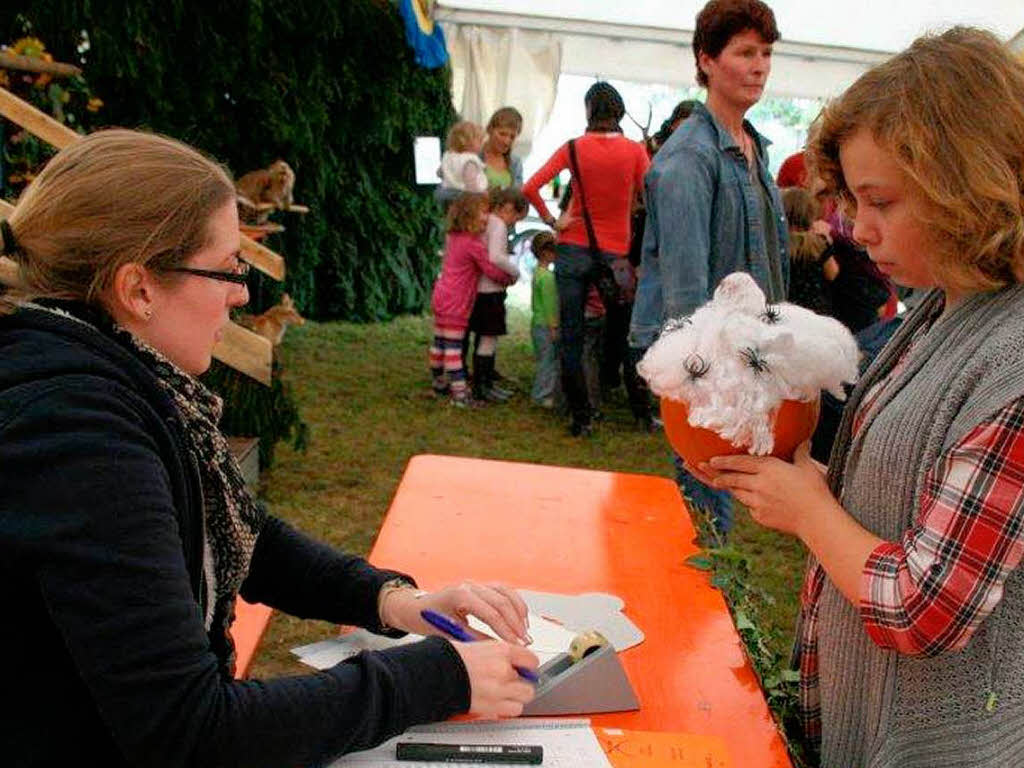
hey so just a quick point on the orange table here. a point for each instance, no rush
(572, 530)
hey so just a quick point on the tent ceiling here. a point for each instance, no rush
(821, 52)
(873, 25)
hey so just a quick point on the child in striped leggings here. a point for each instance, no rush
(465, 259)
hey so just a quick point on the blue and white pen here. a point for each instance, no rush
(458, 632)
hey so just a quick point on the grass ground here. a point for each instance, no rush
(363, 390)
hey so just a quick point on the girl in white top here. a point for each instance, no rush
(461, 166)
(487, 320)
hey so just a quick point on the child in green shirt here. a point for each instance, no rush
(544, 326)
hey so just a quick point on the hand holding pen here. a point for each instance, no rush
(458, 632)
(497, 671)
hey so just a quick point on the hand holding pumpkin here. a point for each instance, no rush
(779, 495)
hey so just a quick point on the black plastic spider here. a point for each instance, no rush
(771, 314)
(696, 366)
(754, 360)
(675, 323)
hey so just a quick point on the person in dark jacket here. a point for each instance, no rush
(126, 531)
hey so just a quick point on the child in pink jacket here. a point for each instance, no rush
(465, 259)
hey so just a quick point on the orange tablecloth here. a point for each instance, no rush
(571, 531)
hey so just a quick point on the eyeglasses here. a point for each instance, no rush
(238, 275)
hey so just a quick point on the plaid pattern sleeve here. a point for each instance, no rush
(929, 592)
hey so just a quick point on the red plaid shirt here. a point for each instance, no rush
(971, 520)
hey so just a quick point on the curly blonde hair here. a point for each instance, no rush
(464, 213)
(950, 111)
(463, 135)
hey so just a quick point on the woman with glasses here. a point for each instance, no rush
(126, 531)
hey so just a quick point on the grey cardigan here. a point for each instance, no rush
(881, 708)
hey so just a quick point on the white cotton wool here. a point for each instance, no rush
(735, 360)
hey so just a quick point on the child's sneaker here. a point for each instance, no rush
(496, 394)
(465, 400)
(441, 386)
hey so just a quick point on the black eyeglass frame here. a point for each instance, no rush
(238, 278)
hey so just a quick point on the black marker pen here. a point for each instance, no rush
(515, 754)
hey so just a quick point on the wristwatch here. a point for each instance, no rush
(393, 586)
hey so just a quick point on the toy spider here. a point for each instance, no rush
(696, 366)
(771, 314)
(754, 360)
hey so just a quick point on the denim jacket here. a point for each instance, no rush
(703, 223)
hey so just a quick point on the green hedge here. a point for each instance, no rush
(329, 86)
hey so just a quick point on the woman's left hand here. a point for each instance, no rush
(497, 605)
(779, 494)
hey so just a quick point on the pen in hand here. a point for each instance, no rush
(458, 632)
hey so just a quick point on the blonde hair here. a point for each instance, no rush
(112, 198)
(950, 111)
(506, 117)
(463, 135)
(464, 213)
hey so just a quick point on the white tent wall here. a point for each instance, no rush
(661, 55)
(495, 67)
(793, 75)
(513, 52)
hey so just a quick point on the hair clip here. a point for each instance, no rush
(771, 314)
(696, 366)
(754, 360)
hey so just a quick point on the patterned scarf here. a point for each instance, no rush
(232, 518)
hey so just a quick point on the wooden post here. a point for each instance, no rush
(28, 64)
(261, 257)
(34, 121)
(245, 351)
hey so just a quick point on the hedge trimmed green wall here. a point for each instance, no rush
(329, 86)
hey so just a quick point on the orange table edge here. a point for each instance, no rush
(568, 530)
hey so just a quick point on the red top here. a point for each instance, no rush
(465, 259)
(612, 168)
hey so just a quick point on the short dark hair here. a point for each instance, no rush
(542, 241)
(720, 20)
(509, 195)
(680, 113)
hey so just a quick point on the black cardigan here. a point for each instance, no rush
(101, 588)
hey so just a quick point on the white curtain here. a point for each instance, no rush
(498, 67)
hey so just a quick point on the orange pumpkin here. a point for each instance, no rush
(794, 423)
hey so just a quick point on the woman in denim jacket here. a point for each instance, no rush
(712, 206)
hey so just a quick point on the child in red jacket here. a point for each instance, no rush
(465, 259)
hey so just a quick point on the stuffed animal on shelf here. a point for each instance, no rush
(737, 359)
(262, 191)
(271, 324)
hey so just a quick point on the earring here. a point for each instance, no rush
(148, 314)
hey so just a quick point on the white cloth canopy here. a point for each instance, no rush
(823, 47)
(497, 66)
(513, 51)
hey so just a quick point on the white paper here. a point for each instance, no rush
(572, 615)
(566, 743)
(427, 152)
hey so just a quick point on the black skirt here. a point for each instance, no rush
(488, 317)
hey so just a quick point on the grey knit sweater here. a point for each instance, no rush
(882, 709)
